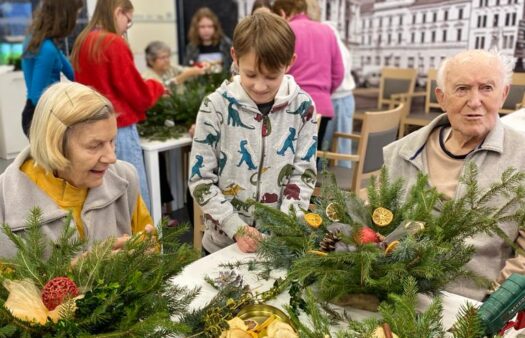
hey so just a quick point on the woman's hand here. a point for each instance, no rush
(248, 239)
(192, 130)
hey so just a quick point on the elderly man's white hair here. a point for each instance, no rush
(496, 56)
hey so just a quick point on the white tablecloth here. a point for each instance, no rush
(193, 276)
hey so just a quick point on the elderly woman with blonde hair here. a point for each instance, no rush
(70, 166)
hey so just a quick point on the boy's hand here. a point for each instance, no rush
(248, 239)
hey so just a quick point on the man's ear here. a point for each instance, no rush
(292, 61)
(506, 91)
(440, 96)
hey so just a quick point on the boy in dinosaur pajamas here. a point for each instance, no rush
(253, 137)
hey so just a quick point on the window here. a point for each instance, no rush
(421, 65)
(458, 38)
(414, 18)
(397, 61)
(480, 3)
(380, 21)
(431, 62)
(399, 37)
(389, 39)
(511, 41)
(460, 14)
(378, 60)
(513, 19)
(434, 16)
(328, 10)
(445, 15)
(482, 42)
(495, 20)
(424, 18)
(370, 40)
(507, 19)
(444, 35)
(433, 36)
(387, 60)
(400, 20)
(390, 21)
(363, 40)
(497, 2)
(484, 21)
(410, 62)
(412, 37)
(422, 37)
(479, 21)
(379, 38)
(505, 41)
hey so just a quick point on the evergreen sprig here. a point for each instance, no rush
(180, 107)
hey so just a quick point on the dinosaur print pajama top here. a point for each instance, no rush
(240, 154)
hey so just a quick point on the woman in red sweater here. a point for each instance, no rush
(103, 60)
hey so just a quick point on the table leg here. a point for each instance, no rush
(151, 159)
(176, 174)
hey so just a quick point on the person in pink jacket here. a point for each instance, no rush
(318, 68)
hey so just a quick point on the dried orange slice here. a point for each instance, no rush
(382, 217)
(331, 212)
(391, 247)
(313, 220)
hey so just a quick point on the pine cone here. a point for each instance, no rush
(56, 290)
(228, 278)
(328, 242)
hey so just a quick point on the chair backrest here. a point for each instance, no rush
(516, 93)
(379, 129)
(431, 101)
(395, 81)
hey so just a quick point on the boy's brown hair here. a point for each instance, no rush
(289, 7)
(269, 36)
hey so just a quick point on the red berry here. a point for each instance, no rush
(56, 290)
(367, 235)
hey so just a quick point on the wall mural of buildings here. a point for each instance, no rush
(420, 33)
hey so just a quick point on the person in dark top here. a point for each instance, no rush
(207, 42)
(43, 61)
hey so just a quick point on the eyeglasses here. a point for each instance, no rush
(130, 21)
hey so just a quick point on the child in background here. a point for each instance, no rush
(42, 60)
(207, 42)
(255, 137)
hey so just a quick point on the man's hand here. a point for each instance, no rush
(248, 239)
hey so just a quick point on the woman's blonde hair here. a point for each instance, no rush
(193, 33)
(103, 18)
(62, 106)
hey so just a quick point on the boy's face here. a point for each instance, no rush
(260, 84)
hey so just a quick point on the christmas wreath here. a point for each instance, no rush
(356, 253)
(57, 289)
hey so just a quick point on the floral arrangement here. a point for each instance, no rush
(58, 289)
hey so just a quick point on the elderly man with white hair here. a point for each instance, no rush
(472, 86)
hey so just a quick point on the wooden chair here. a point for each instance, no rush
(516, 98)
(432, 107)
(198, 226)
(379, 129)
(394, 81)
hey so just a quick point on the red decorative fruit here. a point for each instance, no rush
(366, 235)
(56, 290)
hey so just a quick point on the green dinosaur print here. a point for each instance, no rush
(246, 156)
(288, 143)
(305, 109)
(196, 169)
(234, 118)
(239, 205)
(222, 162)
(211, 139)
(285, 174)
(200, 192)
(311, 151)
(309, 178)
(253, 178)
